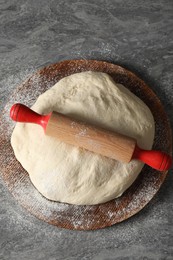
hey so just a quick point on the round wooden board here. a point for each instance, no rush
(73, 216)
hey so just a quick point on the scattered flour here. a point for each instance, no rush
(65, 215)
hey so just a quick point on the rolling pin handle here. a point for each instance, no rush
(156, 159)
(23, 114)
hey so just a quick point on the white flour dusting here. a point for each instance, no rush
(79, 217)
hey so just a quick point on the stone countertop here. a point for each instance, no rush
(135, 34)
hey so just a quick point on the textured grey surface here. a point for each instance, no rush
(135, 34)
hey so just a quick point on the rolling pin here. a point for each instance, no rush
(92, 138)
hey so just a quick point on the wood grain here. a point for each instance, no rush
(92, 138)
(72, 216)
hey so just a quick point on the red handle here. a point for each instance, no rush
(22, 113)
(156, 159)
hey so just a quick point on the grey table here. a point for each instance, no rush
(135, 34)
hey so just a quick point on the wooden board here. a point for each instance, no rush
(72, 216)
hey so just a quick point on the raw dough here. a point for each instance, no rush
(68, 174)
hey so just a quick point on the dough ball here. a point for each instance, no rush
(65, 173)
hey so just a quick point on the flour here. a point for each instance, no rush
(29, 197)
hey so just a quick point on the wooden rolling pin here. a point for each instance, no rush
(94, 139)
